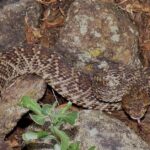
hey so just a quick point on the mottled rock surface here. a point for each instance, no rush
(12, 23)
(5, 2)
(10, 111)
(98, 32)
(95, 128)
(4, 146)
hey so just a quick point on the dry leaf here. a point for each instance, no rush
(13, 143)
(146, 45)
(45, 41)
(137, 7)
(32, 34)
(56, 23)
(47, 2)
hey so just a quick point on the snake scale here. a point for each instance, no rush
(96, 93)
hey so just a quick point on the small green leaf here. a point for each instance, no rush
(39, 119)
(92, 148)
(32, 105)
(74, 146)
(69, 117)
(29, 136)
(46, 109)
(64, 139)
(50, 137)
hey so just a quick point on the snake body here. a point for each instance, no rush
(72, 85)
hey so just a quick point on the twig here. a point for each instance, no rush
(55, 96)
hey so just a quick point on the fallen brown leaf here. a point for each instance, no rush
(32, 34)
(146, 46)
(138, 7)
(47, 2)
(56, 23)
(13, 143)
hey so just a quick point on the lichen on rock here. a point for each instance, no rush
(95, 30)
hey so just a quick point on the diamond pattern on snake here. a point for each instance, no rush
(104, 91)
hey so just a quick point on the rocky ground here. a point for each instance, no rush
(88, 34)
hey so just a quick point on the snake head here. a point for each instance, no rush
(136, 103)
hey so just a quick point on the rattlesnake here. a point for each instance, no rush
(103, 92)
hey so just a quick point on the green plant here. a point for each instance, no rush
(55, 118)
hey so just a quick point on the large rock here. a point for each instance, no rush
(94, 128)
(98, 32)
(10, 111)
(12, 21)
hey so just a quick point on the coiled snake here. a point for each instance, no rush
(103, 92)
